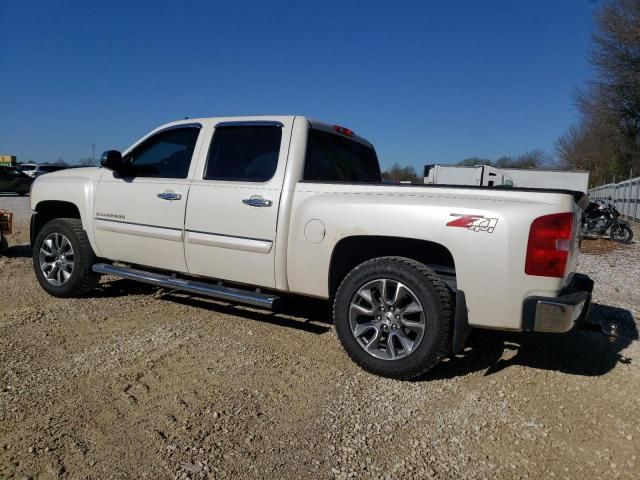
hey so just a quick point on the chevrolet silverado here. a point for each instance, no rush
(248, 209)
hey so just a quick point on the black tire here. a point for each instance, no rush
(623, 235)
(436, 301)
(82, 279)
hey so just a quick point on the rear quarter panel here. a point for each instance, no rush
(489, 264)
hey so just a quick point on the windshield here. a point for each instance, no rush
(26, 168)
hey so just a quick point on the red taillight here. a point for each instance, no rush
(343, 131)
(549, 244)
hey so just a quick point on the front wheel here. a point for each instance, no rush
(586, 229)
(63, 257)
(393, 317)
(622, 233)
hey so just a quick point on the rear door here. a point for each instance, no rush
(139, 214)
(230, 225)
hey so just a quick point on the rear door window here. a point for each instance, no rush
(334, 158)
(246, 153)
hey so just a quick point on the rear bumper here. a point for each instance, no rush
(559, 314)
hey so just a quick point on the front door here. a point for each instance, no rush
(230, 226)
(139, 213)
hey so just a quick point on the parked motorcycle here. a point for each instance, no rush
(602, 220)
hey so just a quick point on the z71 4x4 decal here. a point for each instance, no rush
(477, 223)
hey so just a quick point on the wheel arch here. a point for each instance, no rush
(48, 210)
(351, 251)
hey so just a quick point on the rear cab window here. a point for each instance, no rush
(332, 157)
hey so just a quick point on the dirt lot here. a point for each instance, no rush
(136, 382)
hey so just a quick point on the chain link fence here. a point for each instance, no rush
(626, 196)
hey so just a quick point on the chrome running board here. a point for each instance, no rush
(220, 292)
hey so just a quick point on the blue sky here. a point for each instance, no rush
(425, 81)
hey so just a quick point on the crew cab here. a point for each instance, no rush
(248, 209)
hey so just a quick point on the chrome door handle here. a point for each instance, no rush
(169, 196)
(257, 202)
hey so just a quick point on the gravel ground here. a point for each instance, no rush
(17, 204)
(21, 213)
(136, 382)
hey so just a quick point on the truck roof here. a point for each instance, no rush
(317, 124)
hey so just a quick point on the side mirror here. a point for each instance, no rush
(112, 159)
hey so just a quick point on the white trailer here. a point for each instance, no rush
(488, 176)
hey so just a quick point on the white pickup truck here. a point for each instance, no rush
(245, 209)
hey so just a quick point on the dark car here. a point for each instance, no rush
(13, 180)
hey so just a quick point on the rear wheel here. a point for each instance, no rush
(63, 257)
(622, 233)
(393, 317)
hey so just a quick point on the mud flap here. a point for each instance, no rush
(461, 328)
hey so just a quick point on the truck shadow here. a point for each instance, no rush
(578, 352)
(584, 352)
(309, 315)
(17, 251)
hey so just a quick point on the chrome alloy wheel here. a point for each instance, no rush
(56, 259)
(387, 319)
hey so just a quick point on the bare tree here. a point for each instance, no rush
(87, 162)
(589, 146)
(473, 161)
(607, 139)
(532, 159)
(398, 173)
